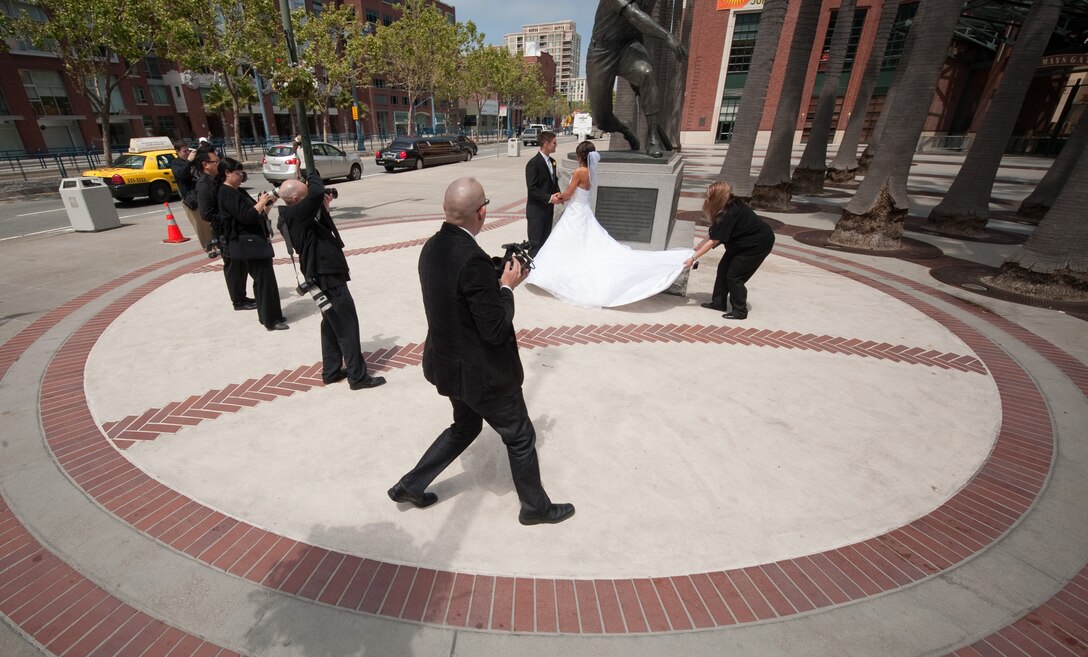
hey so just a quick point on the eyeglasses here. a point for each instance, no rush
(484, 204)
(211, 161)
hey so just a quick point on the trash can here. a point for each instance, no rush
(89, 204)
(513, 147)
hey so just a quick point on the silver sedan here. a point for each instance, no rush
(282, 163)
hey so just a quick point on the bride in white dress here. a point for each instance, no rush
(582, 265)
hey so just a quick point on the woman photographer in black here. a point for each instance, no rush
(748, 241)
(249, 233)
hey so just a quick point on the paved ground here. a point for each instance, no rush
(874, 463)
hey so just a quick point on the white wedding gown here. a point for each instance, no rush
(582, 265)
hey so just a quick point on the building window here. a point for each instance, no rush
(379, 83)
(4, 109)
(381, 100)
(160, 95)
(141, 97)
(852, 43)
(154, 70)
(371, 16)
(898, 38)
(46, 92)
(726, 119)
(167, 127)
(387, 20)
(395, 100)
(13, 9)
(149, 126)
(744, 42)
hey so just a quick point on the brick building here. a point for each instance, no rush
(723, 38)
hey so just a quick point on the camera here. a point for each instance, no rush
(331, 191)
(514, 250)
(316, 293)
(275, 192)
(213, 247)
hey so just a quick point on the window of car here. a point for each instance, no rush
(400, 145)
(333, 151)
(130, 161)
(163, 161)
(279, 151)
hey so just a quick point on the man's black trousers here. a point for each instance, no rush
(340, 336)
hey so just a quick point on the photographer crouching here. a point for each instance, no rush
(313, 236)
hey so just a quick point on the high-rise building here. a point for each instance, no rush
(561, 40)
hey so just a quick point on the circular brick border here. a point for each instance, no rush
(979, 514)
(912, 249)
(970, 278)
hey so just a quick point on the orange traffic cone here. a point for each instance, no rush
(173, 233)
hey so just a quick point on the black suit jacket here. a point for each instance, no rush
(470, 353)
(540, 185)
(314, 237)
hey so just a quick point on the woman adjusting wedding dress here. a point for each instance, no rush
(582, 265)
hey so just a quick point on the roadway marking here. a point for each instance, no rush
(39, 212)
(65, 229)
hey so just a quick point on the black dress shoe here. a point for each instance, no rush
(248, 304)
(337, 376)
(368, 382)
(398, 493)
(713, 306)
(734, 315)
(278, 326)
(555, 513)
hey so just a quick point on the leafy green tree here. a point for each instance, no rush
(87, 35)
(482, 71)
(225, 38)
(417, 52)
(331, 44)
(217, 100)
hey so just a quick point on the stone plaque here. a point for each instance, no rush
(627, 213)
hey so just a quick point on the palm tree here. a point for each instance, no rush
(808, 178)
(773, 189)
(218, 100)
(1053, 263)
(845, 164)
(737, 168)
(889, 99)
(873, 219)
(965, 208)
(1036, 205)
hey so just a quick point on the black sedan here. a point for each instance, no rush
(419, 152)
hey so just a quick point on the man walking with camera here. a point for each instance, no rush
(471, 356)
(313, 235)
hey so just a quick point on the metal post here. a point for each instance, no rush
(260, 100)
(359, 145)
(300, 108)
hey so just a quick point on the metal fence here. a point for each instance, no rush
(944, 143)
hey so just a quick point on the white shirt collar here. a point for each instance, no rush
(469, 232)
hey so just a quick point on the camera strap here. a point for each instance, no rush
(291, 247)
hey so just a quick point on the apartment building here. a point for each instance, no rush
(561, 40)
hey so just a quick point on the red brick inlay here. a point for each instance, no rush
(196, 409)
(999, 494)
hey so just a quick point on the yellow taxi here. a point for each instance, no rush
(143, 171)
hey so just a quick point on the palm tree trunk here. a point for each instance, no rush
(737, 168)
(965, 208)
(889, 101)
(773, 189)
(808, 178)
(1036, 205)
(873, 219)
(845, 165)
(1053, 263)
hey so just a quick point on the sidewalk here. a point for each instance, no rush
(874, 463)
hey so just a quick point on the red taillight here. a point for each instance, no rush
(291, 160)
(377, 154)
(117, 179)
(264, 161)
(403, 155)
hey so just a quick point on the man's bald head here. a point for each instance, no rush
(462, 204)
(293, 191)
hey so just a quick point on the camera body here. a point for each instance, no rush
(332, 191)
(514, 250)
(316, 293)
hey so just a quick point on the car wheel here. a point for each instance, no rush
(158, 192)
(419, 163)
(468, 155)
(356, 172)
(389, 168)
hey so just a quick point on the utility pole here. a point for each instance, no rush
(300, 108)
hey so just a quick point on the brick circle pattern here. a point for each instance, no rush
(991, 503)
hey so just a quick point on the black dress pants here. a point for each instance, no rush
(266, 291)
(235, 272)
(734, 270)
(539, 230)
(507, 416)
(340, 336)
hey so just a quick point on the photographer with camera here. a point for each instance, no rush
(312, 234)
(209, 178)
(471, 356)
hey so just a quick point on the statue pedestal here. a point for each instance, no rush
(635, 200)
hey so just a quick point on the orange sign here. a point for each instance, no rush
(731, 4)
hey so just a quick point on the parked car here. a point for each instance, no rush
(467, 143)
(142, 171)
(529, 136)
(281, 162)
(419, 152)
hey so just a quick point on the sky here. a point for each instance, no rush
(496, 17)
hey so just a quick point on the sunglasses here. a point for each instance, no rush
(484, 204)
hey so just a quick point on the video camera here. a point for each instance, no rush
(518, 250)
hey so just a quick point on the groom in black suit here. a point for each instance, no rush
(471, 356)
(542, 181)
